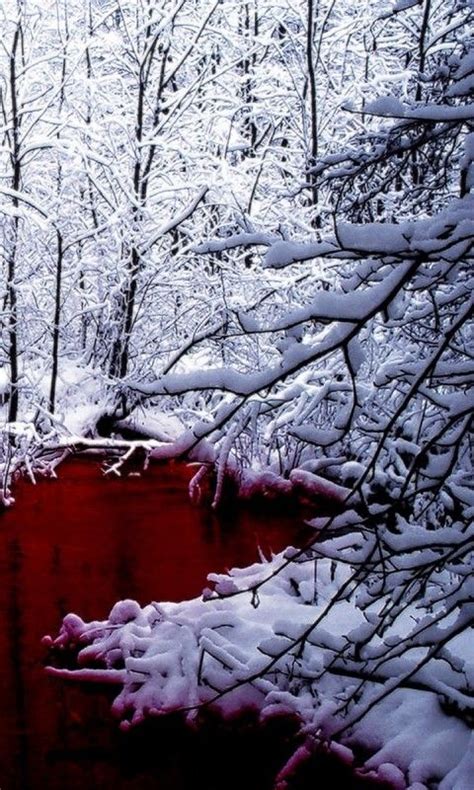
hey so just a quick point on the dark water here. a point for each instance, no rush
(79, 544)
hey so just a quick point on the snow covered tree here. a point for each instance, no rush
(29, 55)
(389, 303)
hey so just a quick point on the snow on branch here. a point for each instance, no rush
(356, 241)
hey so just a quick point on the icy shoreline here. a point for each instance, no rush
(158, 438)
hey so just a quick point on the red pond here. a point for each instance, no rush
(79, 544)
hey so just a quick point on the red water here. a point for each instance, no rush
(79, 544)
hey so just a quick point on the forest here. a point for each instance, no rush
(239, 233)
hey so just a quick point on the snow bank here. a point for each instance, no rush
(280, 636)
